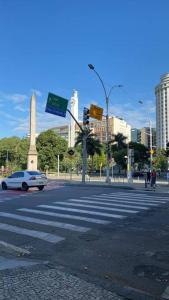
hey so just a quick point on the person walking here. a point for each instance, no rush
(148, 176)
(153, 179)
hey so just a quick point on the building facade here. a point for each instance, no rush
(63, 131)
(116, 125)
(162, 111)
(136, 135)
(145, 136)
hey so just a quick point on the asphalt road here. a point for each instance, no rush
(118, 239)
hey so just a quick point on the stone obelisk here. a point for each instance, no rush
(74, 111)
(32, 154)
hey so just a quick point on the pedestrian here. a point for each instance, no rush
(153, 179)
(148, 176)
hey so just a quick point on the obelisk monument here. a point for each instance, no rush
(32, 154)
(74, 111)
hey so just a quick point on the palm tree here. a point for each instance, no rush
(93, 145)
(119, 141)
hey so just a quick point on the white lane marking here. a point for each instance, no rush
(15, 248)
(32, 233)
(45, 222)
(98, 207)
(151, 199)
(83, 211)
(73, 217)
(140, 195)
(126, 198)
(121, 201)
(109, 204)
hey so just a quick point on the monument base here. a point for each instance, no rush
(32, 159)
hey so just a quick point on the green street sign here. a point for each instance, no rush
(56, 105)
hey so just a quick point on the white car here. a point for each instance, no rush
(24, 180)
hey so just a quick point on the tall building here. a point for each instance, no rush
(162, 111)
(63, 131)
(145, 136)
(136, 135)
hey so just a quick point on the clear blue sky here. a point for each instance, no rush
(47, 45)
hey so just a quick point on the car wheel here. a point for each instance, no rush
(41, 187)
(4, 186)
(25, 187)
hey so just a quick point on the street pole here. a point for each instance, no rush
(151, 139)
(129, 173)
(84, 167)
(84, 151)
(107, 96)
(58, 165)
(108, 180)
(7, 158)
(151, 146)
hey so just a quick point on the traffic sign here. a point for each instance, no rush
(56, 105)
(71, 152)
(96, 112)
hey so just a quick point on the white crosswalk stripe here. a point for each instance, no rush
(107, 204)
(45, 222)
(121, 200)
(141, 196)
(125, 198)
(65, 216)
(32, 233)
(98, 207)
(82, 211)
(94, 209)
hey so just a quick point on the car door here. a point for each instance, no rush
(19, 179)
(12, 180)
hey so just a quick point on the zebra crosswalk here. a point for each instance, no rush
(52, 222)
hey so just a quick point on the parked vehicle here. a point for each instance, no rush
(24, 180)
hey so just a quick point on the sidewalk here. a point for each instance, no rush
(49, 283)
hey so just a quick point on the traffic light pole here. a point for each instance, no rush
(84, 158)
(84, 151)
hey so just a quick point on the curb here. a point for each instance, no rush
(99, 185)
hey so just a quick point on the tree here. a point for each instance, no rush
(118, 141)
(120, 158)
(49, 146)
(140, 153)
(13, 151)
(160, 162)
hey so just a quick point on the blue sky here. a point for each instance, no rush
(47, 45)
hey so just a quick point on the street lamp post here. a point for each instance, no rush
(151, 139)
(107, 95)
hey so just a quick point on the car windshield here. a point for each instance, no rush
(33, 173)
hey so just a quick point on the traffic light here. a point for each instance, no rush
(86, 115)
